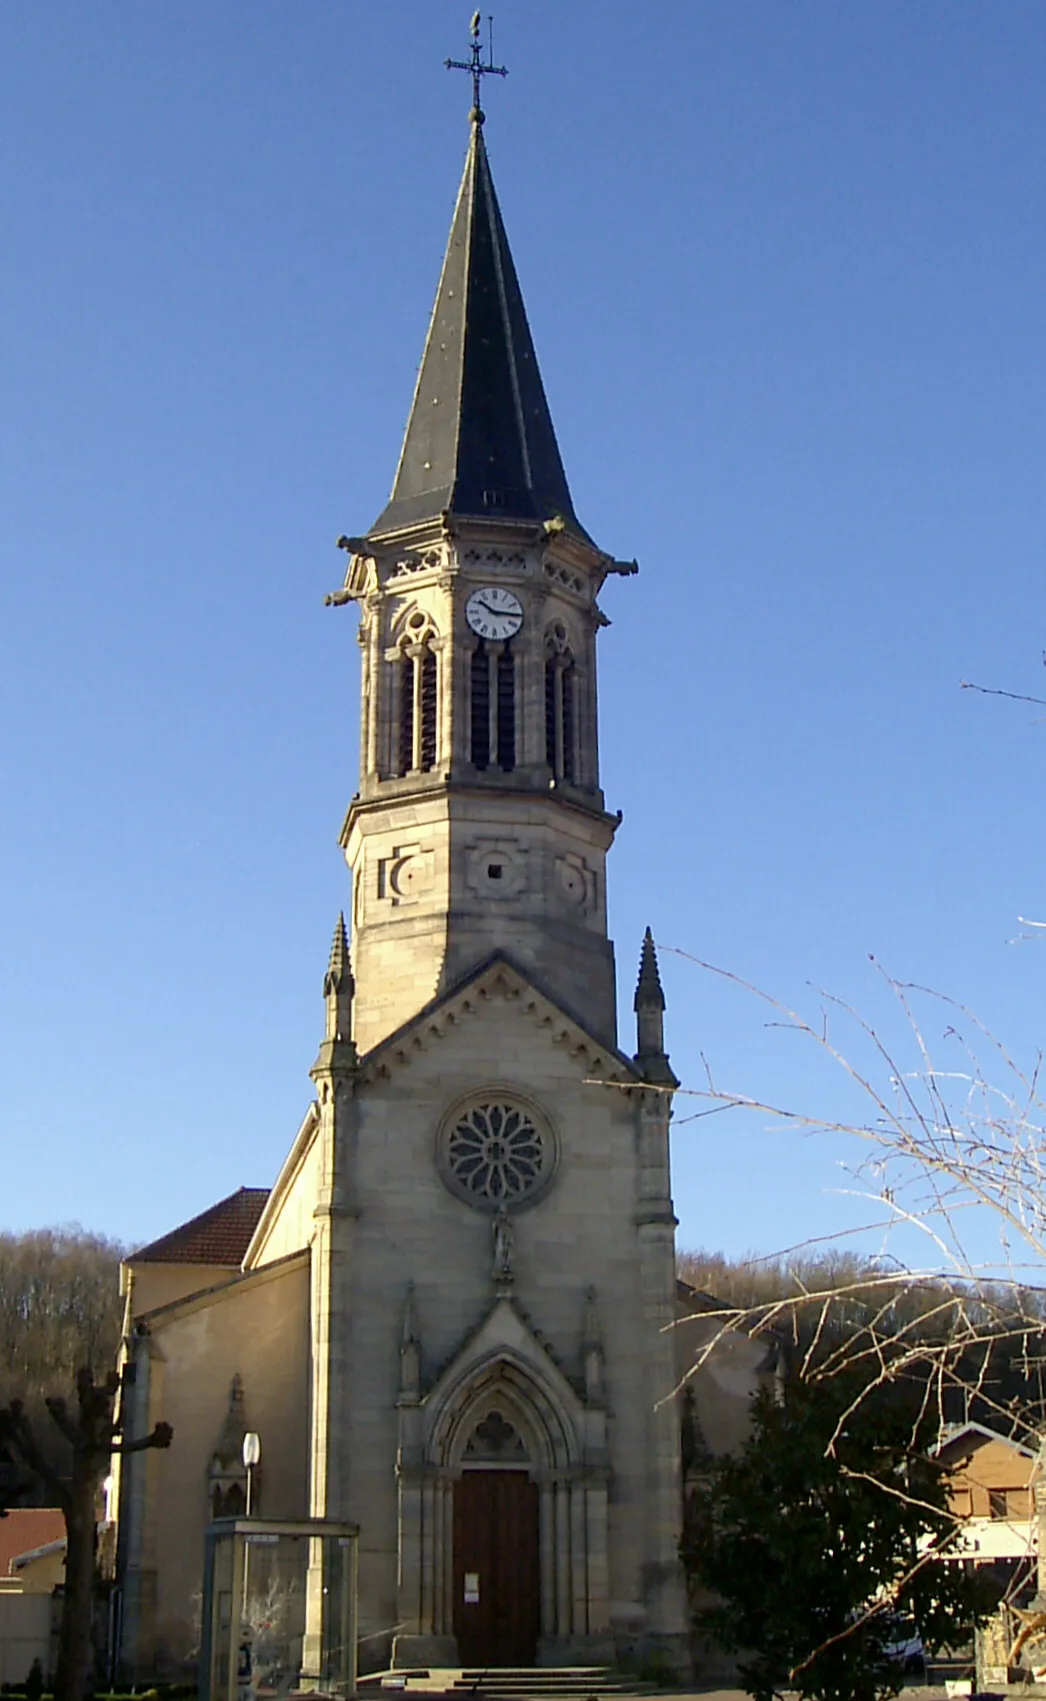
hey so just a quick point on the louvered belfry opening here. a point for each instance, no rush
(568, 704)
(560, 708)
(550, 713)
(492, 690)
(427, 742)
(507, 710)
(480, 694)
(405, 746)
(416, 709)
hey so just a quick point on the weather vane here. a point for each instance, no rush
(476, 65)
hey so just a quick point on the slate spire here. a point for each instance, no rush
(479, 441)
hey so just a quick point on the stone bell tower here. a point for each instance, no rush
(465, 1270)
(479, 822)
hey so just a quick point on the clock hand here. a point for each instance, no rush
(500, 614)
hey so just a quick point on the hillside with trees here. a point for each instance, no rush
(983, 1343)
(60, 1311)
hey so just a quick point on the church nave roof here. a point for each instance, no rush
(220, 1235)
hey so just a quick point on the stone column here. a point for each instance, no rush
(447, 1552)
(425, 1580)
(445, 719)
(598, 1558)
(564, 1614)
(655, 1222)
(372, 681)
(547, 1532)
(590, 754)
(579, 1577)
(427, 1607)
(139, 1408)
(409, 1592)
(334, 1222)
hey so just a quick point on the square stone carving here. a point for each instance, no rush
(406, 875)
(496, 868)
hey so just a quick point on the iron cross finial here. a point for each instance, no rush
(475, 63)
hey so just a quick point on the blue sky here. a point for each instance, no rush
(785, 270)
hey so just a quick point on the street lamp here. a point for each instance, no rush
(251, 1459)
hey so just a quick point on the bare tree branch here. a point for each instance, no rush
(994, 691)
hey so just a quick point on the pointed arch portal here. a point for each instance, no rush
(496, 1548)
(502, 1512)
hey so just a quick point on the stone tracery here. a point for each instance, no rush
(496, 1153)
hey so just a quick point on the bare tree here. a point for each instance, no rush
(947, 1141)
(93, 1437)
(948, 1149)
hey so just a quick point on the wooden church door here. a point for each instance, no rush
(497, 1568)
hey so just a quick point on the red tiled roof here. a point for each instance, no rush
(220, 1235)
(26, 1528)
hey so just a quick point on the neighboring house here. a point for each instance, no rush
(991, 1492)
(32, 1550)
(32, 1566)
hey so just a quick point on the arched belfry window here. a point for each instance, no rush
(415, 698)
(427, 697)
(492, 691)
(561, 699)
(479, 696)
(506, 729)
(405, 715)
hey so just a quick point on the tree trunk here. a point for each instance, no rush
(75, 1673)
(92, 1437)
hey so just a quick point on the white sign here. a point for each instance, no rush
(472, 1588)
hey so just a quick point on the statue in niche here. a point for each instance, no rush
(503, 1245)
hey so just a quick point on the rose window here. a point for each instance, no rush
(495, 1153)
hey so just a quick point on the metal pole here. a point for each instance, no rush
(239, 1585)
(351, 1616)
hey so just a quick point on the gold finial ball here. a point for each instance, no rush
(477, 115)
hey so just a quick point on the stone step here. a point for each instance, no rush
(531, 1674)
(545, 1691)
(550, 1683)
(508, 1683)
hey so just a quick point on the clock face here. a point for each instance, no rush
(494, 613)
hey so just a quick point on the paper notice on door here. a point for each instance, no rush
(472, 1588)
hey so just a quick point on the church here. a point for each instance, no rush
(451, 1319)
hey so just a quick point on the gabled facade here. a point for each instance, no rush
(991, 1493)
(451, 1320)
